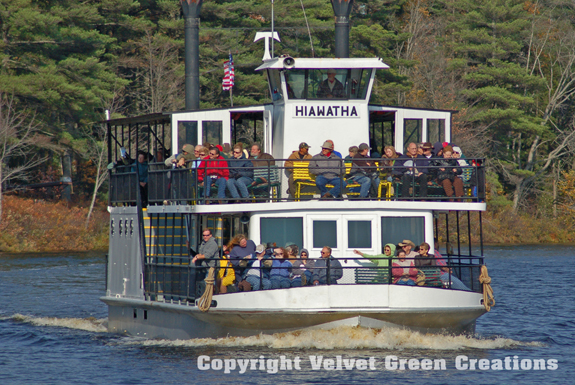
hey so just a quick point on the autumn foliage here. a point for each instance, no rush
(32, 225)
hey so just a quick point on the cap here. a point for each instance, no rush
(303, 145)
(327, 144)
(188, 148)
(364, 146)
(260, 248)
(457, 149)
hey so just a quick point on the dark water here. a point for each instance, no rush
(52, 331)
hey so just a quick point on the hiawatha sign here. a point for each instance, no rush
(325, 111)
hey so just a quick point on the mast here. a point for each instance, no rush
(191, 10)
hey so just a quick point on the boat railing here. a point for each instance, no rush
(222, 181)
(176, 279)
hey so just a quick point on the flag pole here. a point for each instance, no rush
(231, 88)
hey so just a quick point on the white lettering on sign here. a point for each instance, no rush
(325, 111)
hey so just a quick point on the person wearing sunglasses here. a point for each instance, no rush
(326, 264)
(213, 171)
(241, 173)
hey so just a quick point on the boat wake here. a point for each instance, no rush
(89, 324)
(347, 337)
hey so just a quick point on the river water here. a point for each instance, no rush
(53, 331)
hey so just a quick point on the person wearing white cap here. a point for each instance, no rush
(330, 87)
(326, 166)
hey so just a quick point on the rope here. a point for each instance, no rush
(205, 300)
(485, 280)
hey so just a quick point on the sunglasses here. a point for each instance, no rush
(237, 152)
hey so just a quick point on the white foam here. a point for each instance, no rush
(347, 337)
(90, 324)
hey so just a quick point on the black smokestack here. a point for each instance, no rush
(341, 9)
(191, 9)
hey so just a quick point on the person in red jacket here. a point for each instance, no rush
(213, 172)
(403, 271)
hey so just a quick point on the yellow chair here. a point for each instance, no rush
(302, 177)
(353, 184)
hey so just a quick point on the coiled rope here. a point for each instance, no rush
(485, 280)
(205, 301)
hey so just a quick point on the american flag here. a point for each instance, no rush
(229, 76)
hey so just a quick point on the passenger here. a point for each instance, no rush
(179, 160)
(447, 170)
(423, 258)
(213, 171)
(337, 153)
(380, 260)
(466, 170)
(364, 172)
(256, 276)
(448, 277)
(327, 169)
(302, 270)
(326, 266)
(353, 150)
(199, 153)
(300, 155)
(142, 166)
(208, 253)
(438, 149)
(407, 246)
(420, 149)
(228, 150)
(240, 247)
(387, 162)
(403, 271)
(226, 276)
(330, 87)
(241, 174)
(259, 158)
(281, 269)
(426, 148)
(412, 168)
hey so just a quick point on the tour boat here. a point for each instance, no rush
(151, 284)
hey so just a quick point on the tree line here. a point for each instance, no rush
(506, 66)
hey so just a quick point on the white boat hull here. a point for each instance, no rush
(275, 311)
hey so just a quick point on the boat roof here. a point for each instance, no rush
(323, 63)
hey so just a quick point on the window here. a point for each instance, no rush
(435, 130)
(324, 234)
(212, 132)
(396, 229)
(282, 231)
(187, 133)
(307, 84)
(411, 131)
(359, 235)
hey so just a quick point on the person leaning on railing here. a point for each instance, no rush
(180, 159)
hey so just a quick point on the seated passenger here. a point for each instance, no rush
(353, 150)
(447, 170)
(259, 158)
(364, 172)
(213, 171)
(380, 260)
(403, 271)
(281, 269)
(407, 246)
(387, 162)
(226, 276)
(326, 267)
(302, 270)
(240, 247)
(256, 276)
(330, 87)
(241, 174)
(448, 277)
(208, 253)
(326, 166)
(423, 258)
(412, 169)
(301, 154)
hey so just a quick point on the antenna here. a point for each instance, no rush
(272, 28)
(308, 31)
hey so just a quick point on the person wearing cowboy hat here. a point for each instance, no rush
(327, 167)
(330, 87)
(408, 246)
